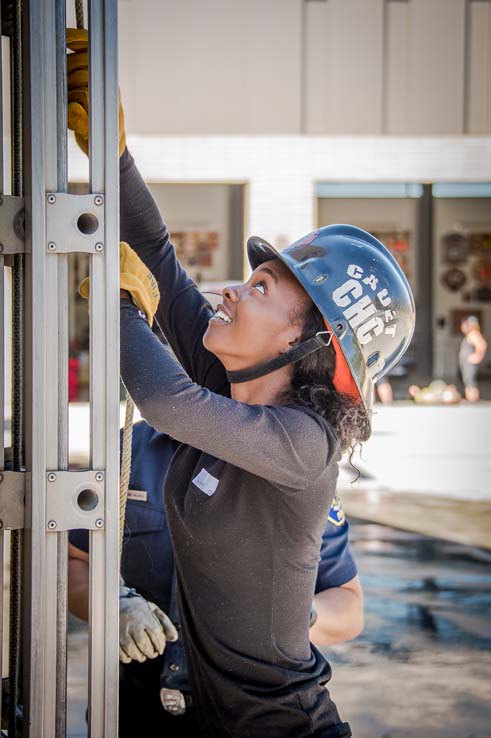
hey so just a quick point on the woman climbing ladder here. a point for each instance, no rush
(263, 396)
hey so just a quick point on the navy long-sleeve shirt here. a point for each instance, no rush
(245, 496)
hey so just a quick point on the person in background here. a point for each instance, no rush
(438, 392)
(154, 687)
(384, 391)
(471, 353)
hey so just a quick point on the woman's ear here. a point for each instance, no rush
(295, 336)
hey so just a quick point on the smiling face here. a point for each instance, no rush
(259, 319)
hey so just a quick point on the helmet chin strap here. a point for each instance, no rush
(322, 339)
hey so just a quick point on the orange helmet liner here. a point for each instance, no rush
(343, 379)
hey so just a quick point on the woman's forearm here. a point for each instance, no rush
(339, 615)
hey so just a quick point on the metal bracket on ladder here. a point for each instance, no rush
(74, 223)
(12, 492)
(11, 224)
(74, 500)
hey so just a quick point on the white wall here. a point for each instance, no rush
(424, 67)
(344, 65)
(281, 171)
(290, 66)
(477, 108)
(210, 66)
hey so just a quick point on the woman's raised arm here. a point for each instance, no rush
(183, 312)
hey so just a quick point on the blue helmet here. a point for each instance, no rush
(363, 295)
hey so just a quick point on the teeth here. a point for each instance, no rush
(223, 316)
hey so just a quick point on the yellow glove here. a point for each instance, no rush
(134, 277)
(78, 90)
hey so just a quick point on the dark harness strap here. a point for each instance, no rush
(320, 340)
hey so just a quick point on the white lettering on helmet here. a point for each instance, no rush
(384, 298)
(359, 311)
(369, 330)
(371, 281)
(354, 271)
(341, 294)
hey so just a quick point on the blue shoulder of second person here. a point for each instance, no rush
(143, 433)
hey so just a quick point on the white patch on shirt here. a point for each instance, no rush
(138, 494)
(206, 483)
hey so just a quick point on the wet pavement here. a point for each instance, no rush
(422, 667)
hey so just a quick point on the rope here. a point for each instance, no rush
(79, 12)
(124, 480)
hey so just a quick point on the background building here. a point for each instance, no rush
(276, 117)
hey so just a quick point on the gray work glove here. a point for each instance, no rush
(143, 627)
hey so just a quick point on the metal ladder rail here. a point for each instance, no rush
(52, 500)
(104, 362)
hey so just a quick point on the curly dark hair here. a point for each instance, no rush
(311, 386)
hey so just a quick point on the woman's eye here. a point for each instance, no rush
(261, 287)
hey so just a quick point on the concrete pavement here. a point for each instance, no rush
(438, 450)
